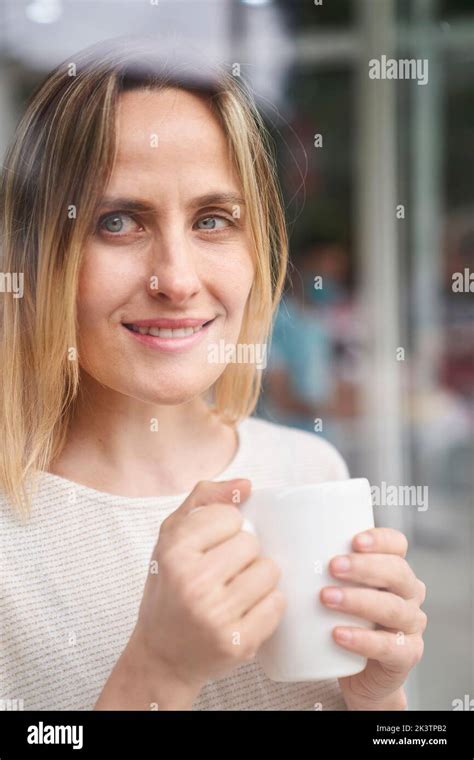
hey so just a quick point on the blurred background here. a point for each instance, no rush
(373, 343)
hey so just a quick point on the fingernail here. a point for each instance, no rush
(332, 596)
(365, 539)
(341, 564)
(344, 634)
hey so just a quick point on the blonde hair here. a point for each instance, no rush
(61, 159)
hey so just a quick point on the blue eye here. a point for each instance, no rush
(210, 222)
(115, 224)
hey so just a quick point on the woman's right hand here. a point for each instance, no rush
(214, 600)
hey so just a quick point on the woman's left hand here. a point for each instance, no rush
(396, 645)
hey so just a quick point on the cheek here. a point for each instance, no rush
(102, 289)
(103, 286)
(232, 280)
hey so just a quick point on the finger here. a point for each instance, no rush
(209, 492)
(420, 595)
(399, 653)
(210, 526)
(263, 618)
(251, 585)
(382, 607)
(382, 541)
(232, 556)
(382, 571)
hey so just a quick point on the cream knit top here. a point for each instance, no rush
(71, 582)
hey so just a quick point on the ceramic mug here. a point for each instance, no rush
(302, 527)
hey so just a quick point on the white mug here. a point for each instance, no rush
(302, 527)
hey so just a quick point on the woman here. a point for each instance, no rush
(141, 206)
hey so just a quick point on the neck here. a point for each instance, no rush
(131, 447)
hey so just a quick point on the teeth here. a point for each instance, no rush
(166, 332)
(160, 332)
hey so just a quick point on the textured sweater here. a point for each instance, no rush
(71, 581)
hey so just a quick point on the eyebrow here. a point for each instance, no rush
(134, 204)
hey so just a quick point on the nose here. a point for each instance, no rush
(173, 274)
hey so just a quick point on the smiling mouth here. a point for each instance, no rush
(167, 332)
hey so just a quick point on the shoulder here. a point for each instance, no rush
(308, 456)
(15, 518)
(10, 519)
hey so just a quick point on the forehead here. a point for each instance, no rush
(169, 128)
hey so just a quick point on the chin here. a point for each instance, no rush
(165, 388)
(161, 397)
(172, 399)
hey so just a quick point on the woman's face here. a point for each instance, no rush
(169, 245)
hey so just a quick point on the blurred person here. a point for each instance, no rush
(298, 379)
(312, 367)
(336, 310)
